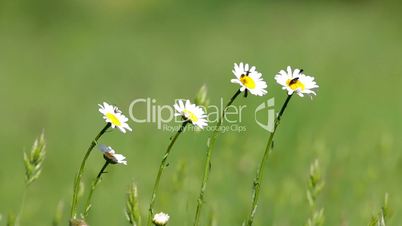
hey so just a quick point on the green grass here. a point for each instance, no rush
(58, 61)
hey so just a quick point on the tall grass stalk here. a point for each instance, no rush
(78, 177)
(260, 172)
(33, 163)
(133, 214)
(315, 186)
(207, 168)
(162, 167)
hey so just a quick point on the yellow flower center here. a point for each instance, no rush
(190, 115)
(113, 119)
(247, 81)
(295, 84)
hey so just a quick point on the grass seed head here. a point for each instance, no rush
(132, 206)
(33, 160)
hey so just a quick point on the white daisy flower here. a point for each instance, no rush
(249, 79)
(160, 219)
(114, 116)
(296, 81)
(191, 112)
(110, 155)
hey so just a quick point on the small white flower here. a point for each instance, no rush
(114, 116)
(110, 155)
(250, 79)
(191, 112)
(296, 81)
(160, 219)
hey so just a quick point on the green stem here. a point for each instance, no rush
(77, 180)
(161, 168)
(207, 167)
(22, 207)
(260, 173)
(94, 184)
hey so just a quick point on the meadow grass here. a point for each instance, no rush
(59, 61)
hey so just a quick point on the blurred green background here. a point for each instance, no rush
(59, 59)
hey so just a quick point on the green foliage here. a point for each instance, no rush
(179, 176)
(33, 160)
(81, 190)
(212, 221)
(383, 216)
(58, 216)
(133, 213)
(11, 219)
(201, 98)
